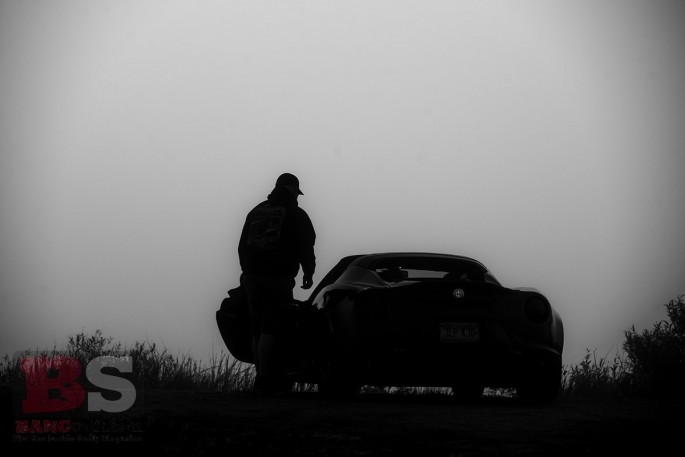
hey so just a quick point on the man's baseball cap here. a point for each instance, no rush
(288, 179)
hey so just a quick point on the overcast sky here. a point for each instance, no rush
(543, 138)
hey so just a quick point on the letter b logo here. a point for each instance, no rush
(51, 384)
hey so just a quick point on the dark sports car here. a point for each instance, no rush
(418, 319)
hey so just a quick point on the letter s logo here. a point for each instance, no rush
(96, 402)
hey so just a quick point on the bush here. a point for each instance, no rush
(657, 356)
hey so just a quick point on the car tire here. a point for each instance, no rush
(335, 381)
(542, 382)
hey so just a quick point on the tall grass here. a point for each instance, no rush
(154, 368)
(597, 377)
(653, 364)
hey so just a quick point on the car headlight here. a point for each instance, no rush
(536, 310)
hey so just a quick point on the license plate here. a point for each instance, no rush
(459, 331)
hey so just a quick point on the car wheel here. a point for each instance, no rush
(468, 392)
(542, 382)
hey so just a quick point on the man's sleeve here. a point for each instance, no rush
(307, 240)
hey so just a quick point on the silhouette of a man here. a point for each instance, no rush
(277, 238)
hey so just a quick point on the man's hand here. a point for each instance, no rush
(307, 281)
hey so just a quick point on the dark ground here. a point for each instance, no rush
(306, 424)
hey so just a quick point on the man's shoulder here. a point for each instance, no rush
(259, 205)
(301, 212)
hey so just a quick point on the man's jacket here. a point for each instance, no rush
(277, 238)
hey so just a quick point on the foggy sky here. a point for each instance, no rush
(543, 138)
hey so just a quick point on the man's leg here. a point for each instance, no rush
(268, 298)
(254, 287)
(276, 327)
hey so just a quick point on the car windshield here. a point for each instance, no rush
(397, 273)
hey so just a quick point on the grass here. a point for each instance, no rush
(158, 369)
(652, 364)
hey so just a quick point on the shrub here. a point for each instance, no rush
(657, 356)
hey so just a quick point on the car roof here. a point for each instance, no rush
(385, 259)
